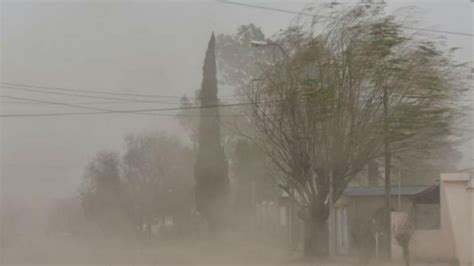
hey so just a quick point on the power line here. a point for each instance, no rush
(54, 103)
(109, 111)
(441, 31)
(89, 91)
(10, 85)
(113, 99)
(265, 8)
(51, 114)
(141, 110)
(98, 102)
(84, 96)
(312, 15)
(26, 115)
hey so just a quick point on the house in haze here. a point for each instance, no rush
(366, 204)
(453, 241)
(442, 217)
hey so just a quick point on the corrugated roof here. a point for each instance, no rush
(380, 191)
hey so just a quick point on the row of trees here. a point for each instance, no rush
(131, 193)
(127, 195)
(325, 99)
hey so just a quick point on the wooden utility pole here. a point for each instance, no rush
(332, 222)
(387, 159)
(291, 220)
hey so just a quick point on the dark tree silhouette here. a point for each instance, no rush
(211, 169)
(102, 195)
(156, 186)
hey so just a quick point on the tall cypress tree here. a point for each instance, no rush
(211, 169)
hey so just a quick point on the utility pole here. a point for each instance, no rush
(291, 220)
(399, 190)
(387, 159)
(331, 224)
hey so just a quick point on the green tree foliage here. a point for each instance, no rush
(332, 127)
(211, 169)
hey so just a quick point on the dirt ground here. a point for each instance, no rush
(65, 252)
(229, 253)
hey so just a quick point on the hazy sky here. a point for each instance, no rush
(135, 47)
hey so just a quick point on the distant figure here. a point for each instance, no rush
(402, 231)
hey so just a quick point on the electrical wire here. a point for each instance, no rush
(312, 15)
(109, 111)
(85, 96)
(29, 86)
(98, 102)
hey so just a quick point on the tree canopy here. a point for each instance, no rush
(319, 111)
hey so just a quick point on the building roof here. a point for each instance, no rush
(380, 191)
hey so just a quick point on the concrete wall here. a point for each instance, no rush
(457, 223)
(471, 192)
(430, 245)
(454, 241)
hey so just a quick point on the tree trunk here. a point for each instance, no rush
(315, 238)
(406, 255)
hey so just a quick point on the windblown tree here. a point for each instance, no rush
(102, 195)
(211, 169)
(319, 113)
(415, 169)
(240, 64)
(236, 58)
(157, 171)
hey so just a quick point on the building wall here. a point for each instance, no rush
(454, 240)
(471, 209)
(472, 220)
(431, 245)
(457, 222)
(363, 208)
(424, 244)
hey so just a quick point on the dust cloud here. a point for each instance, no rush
(232, 132)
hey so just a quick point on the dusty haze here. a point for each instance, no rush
(154, 47)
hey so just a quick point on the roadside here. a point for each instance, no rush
(69, 252)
